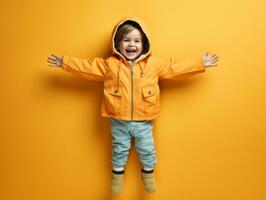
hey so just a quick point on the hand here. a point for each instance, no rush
(55, 61)
(210, 60)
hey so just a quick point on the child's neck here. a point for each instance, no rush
(131, 62)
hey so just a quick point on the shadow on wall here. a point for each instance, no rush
(99, 126)
(181, 84)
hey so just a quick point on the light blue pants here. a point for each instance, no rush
(123, 132)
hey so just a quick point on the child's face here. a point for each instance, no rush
(131, 45)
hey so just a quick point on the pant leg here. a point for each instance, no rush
(145, 144)
(121, 143)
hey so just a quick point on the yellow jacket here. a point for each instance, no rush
(131, 91)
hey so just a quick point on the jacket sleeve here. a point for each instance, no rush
(175, 70)
(94, 69)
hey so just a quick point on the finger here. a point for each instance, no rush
(206, 54)
(213, 55)
(51, 62)
(55, 56)
(211, 65)
(216, 57)
(215, 60)
(53, 59)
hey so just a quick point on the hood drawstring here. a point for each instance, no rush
(118, 75)
(142, 71)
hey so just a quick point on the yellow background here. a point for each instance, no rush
(210, 136)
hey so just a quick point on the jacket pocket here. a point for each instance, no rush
(114, 91)
(112, 98)
(148, 91)
(150, 99)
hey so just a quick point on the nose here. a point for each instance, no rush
(131, 43)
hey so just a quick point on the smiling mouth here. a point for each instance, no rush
(130, 51)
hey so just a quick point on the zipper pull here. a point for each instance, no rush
(131, 67)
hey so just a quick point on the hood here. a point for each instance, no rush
(147, 47)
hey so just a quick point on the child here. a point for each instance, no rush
(131, 93)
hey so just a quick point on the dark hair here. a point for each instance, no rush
(126, 28)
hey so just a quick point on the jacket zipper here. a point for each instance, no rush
(132, 91)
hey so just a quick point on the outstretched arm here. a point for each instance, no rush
(172, 69)
(94, 69)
